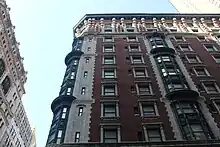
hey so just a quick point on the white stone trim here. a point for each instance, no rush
(144, 83)
(117, 127)
(154, 125)
(153, 103)
(206, 71)
(134, 72)
(110, 68)
(189, 46)
(110, 84)
(108, 44)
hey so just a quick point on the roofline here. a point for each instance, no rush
(145, 15)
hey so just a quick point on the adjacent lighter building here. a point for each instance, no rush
(15, 130)
(197, 6)
(138, 80)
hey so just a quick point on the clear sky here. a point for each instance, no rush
(44, 28)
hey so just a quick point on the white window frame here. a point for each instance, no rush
(154, 104)
(109, 45)
(109, 103)
(103, 60)
(203, 83)
(108, 69)
(214, 57)
(144, 84)
(138, 48)
(205, 70)
(145, 72)
(132, 40)
(113, 85)
(117, 128)
(197, 58)
(177, 40)
(214, 48)
(106, 39)
(156, 126)
(189, 47)
(132, 61)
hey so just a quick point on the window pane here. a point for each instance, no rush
(59, 133)
(196, 128)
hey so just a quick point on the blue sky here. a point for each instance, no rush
(44, 28)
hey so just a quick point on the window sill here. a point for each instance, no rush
(150, 117)
(109, 118)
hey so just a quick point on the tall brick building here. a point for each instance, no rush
(15, 130)
(140, 79)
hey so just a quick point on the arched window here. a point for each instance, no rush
(6, 84)
(2, 67)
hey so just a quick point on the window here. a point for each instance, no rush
(87, 60)
(210, 47)
(108, 25)
(109, 60)
(134, 48)
(85, 74)
(109, 90)
(179, 38)
(59, 136)
(109, 73)
(132, 38)
(137, 59)
(75, 62)
(83, 90)
(194, 59)
(108, 39)
(108, 48)
(144, 89)
(211, 87)
(157, 42)
(201, 72)
(176, 86)
(68, 91)
(173, 29)
(109, 110)
(148, 110)
(2, 67)
(89, 49)
(185, 47)
(154, 134)
(140, 72)
(130, 30)
(110, 135)
(201, 38)
(72, 76)
(6, 84)
(108, 30)
(195, 30)
(77, 136)
(163, 58)
(217, 59)
(80, 112)
(64, 113)
(128, 25)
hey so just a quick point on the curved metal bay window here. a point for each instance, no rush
(6, 84)
(171, 74)
(2, 67)
(191, 121)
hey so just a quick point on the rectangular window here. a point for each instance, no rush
(108, 39)
(176, 86)
(77, 136)
(128, 25)
(195, 30)
(68, 91)
(75, 62)
(193, 59)
(108, 30)
(109, 90)
(201, 38)
(134, 47)
(137, 59)
(179, 38)
(109, 110)
(148, 110)
(109, 60)
(109, 73)
(185, 47)
(132, 38)
(108, 48)
(89, 49)
(211, 87)
(83, 90)
(201, 72)
(154, 134)
(80, 112)
(217, 59)
(59, 135)
(130, 30)
(210, 47)
(157, 42)
(72, 76)
(85, 74)
(110, 135)
(108, 25)
(140, 72)
(64, 113)
(144, 89)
